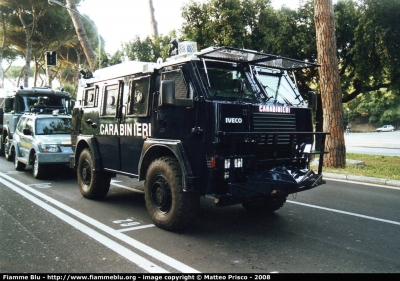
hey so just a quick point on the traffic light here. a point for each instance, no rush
(51, 58)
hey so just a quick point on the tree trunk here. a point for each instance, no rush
(331, 92)
(81, 32)
(2, 47)
(153, 22)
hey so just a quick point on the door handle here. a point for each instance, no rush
(94, 125)
(89, 121)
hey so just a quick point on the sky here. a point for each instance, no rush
(119, 21)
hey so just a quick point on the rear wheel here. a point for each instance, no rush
(168, 206)
(268, 205)
(19, 166)
(37, 169)
(92, 184)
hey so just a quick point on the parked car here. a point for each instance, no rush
(41, 139)
(385, 128)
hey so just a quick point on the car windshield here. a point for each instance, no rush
(231, 81)
(49, 126)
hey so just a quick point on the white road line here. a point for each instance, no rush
(119, 249)
(132, 242)
(363, 183)
(344, 212)
(136, 228)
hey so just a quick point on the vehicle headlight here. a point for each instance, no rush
(49, 148)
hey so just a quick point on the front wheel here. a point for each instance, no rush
(37, 169)
(92, 184)
(168, 206)
(268, 205)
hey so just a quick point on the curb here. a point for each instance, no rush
(380, 181)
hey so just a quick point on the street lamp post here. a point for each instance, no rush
(55, 2)
(348, 116)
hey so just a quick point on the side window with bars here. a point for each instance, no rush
(90, 98)
(181, 90)
(110, 101)
(138, 100)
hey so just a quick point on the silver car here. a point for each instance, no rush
(385, 128)
(41, 139)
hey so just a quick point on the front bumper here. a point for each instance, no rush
(55, 158)
(276, 181)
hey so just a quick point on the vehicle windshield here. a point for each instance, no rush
(50, 126)
(231, 81)
(25, 103)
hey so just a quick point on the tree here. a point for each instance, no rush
(149, 49)
(29, 14)
(331, 93)
(153, 22)
(81, 33)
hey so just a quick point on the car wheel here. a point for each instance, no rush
(168, 206)
(7, 152)
(19, 166)
(92, 184)
(37, 169)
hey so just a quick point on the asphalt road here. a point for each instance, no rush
(385, 143)
(48, 227)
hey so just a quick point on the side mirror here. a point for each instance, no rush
(167, 93)
(8, 104)
(312, 100)
(27, 132)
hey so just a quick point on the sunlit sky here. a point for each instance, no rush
(119, 21)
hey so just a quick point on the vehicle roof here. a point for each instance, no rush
(40, 91)
(224, 54)
(42, 115)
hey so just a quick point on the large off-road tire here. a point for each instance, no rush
(7, 152)
(19, 166)
(268, 205)
(92, 184)
(168, 206)
(37, 169)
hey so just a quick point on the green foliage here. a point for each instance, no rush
(147, 50)
(15, 72)
(72, 89)
(377, 166)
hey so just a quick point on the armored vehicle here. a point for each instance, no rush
(223, 122)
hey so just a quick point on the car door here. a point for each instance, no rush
(109, 127)
(26, 140)
(135, 124)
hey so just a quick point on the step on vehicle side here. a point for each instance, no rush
(222, 122)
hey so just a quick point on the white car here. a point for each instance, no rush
(385, 128)
(40, 140)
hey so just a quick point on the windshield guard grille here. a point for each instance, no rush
(252, 57)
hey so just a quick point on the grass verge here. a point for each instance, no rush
(377, 166)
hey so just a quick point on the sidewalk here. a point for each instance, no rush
(380, 181)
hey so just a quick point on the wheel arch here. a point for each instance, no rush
(32, 153)
(91, 144)
(153, 149)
